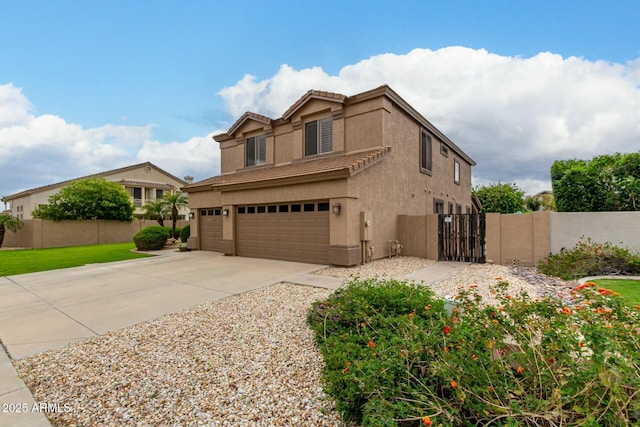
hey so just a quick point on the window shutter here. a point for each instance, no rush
(261, 142)
(326, 135)
(251, 151)
(311, 138)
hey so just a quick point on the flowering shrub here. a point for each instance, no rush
(589, 258)
(395, 355)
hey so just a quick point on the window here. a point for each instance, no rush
(256, 150)
(456, 172)
(323, 206)
(444, 150)
(318, 136)
(242, 210)
(438, 206)
(283, 208)
(450, 208)
(296, 208)
(425, 152)
(459, 209)
(309, 207)
(262, 209)
(272, 209)
(159, 194)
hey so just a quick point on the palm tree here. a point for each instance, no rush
(8, 222)
(175, 201)
(157, 208)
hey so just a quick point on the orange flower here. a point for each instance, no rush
(498, 278)
(446, 329)
(453, 384)
(580, 344)
(507, 296)
(520, 370)
(474, 357)
(494, 321)
(608, 325)
(362, 325)
(426, 421)
(603, 291)
(371, 344)
(427, 307)
(412, 314)
(566, 310)
(345, 370)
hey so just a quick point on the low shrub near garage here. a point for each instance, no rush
(185, 233)
(395, 355)
(151, 238)
(589, 258)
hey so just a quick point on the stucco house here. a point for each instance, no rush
(143, 182)
(325, 182)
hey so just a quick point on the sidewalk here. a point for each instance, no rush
(17, 406)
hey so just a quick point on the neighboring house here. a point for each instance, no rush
(143, 182)
(325, 182)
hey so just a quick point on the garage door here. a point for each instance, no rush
(210, 229)
(286, 231)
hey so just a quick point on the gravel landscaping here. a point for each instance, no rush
(246, 360)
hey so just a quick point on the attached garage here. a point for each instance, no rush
(296, 231)
(211, 229)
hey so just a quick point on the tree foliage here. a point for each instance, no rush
(604, 183)
(157, 209)
(91, 198)
(502, 198)
(8, 222)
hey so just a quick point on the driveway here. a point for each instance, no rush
(46, 310)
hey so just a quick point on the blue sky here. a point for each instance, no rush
(88, 86)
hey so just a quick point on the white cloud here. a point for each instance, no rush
(40, 150)
(513, 115)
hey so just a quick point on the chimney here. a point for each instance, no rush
(189, 179)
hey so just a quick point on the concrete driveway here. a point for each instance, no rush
(42, 311)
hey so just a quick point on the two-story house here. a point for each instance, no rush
(326, 182)
(144, 182)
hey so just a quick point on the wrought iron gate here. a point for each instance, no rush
(461, 237)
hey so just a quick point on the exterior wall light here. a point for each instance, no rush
(225, 212)
(191, 215)
(336, 209)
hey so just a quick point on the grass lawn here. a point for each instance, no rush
(22, 261)
(628, 289)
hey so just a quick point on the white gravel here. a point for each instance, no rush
(246, 360)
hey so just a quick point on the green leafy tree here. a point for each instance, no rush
(175, 201)
(532, 203)
(157, 209)
(502, 198)
(91, 198)
(604, 183)
(8, 222)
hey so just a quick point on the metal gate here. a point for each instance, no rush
(461, 237)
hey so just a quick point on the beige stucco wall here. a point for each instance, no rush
(40, 233)
(522, 239)
(619, 228)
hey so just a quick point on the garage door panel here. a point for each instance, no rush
(210, 229)
(283, 234)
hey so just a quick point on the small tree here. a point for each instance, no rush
(532, 203)
(91, 198)
(175, 201)
(156, 209)
(8, 222)
(502, 198)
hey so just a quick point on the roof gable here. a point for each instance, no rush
(313, 94)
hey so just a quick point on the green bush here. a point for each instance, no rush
(185, 233)
(397, 356)
(151, 238)
(589, 258)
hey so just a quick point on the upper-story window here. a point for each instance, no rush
(256, 150)
(318, 136)
(456, 171)
(425, 152)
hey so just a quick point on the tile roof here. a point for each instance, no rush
(312, 170)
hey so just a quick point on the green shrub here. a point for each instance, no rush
(151, 238)
(589, 258)
(397, 356)
(185, 233)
